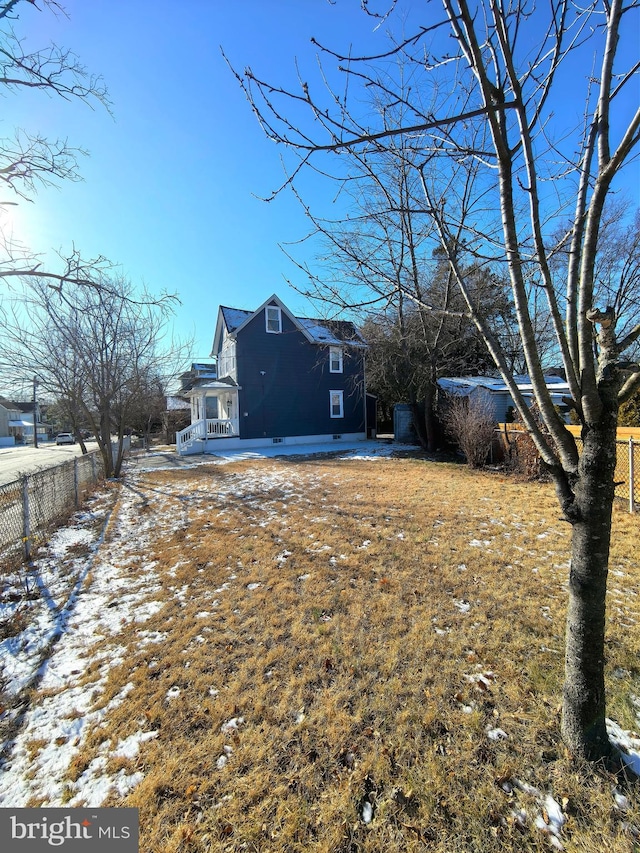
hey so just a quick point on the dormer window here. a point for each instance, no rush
(273, 318)
(335, 359)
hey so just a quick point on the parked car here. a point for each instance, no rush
(65, 438)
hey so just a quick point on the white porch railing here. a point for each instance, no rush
(202, 430)
(222, 426)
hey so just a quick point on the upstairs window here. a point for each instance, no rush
(336, 404)
(273, 317)
(335, 359)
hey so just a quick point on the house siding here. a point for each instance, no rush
(4, 422)
(285, 382)
(499, 402)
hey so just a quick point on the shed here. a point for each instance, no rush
(494, 390)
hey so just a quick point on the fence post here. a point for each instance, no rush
(94, 475)
(76, 483)
(632, 480)
(26, 520)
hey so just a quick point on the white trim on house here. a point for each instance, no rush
(336, 398)
(336, 360)
(213, 445)
(273, 321)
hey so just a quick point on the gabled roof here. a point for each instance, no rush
(23, 407)
(198, 374)
(224, 384)
(327, 332)
(7, 404)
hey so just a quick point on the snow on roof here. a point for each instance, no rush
(203, 369)
(317, 331)
(234, 317)
(462, 385)
(332, 332)
(175, 404)
(224, 384)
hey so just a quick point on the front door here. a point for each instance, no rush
(211, 408)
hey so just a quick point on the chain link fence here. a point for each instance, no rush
(33, 504)
(627, 474)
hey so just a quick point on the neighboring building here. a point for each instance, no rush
(176, 417)
(22, 424)
(279, 379)
(497, 394)
(11, 424)
(198, 374)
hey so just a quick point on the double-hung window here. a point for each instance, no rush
(273, 319)
(335, 359)
(336, 404)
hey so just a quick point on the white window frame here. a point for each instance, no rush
(278, 316)
(335, 360)
(340, 395)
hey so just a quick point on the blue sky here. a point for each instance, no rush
(170, 185)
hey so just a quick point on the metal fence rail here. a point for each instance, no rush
(30, 506)
(627, 475)
(628, 472)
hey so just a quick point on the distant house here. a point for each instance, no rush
(279, 379)
(11, 423)
(20, 423)
(495, 391)
(177, 415)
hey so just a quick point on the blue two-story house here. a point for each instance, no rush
(280, 379)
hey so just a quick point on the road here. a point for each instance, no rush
(18, 460)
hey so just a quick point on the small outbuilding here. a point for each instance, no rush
(493, 390)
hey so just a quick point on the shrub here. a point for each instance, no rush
(524, 458)
(470, 422)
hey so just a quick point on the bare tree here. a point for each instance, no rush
(617, 267)
(502, 163)
(102, 352)
(378, 261)
(28, 160)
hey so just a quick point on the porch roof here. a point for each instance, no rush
(216, 385)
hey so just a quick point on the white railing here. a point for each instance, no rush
(186, 437)
(200, 431)
(222, 426)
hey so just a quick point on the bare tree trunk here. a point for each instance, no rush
(430, 421)
(583, 715)
(482, 163)
(104, 442)
(417, 413)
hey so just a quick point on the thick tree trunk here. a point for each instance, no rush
(104, 442)
(583, 713)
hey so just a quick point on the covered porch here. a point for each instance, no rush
(214, 415)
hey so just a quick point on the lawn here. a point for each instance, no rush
(335, 655)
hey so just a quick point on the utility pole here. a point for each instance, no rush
(35, 413)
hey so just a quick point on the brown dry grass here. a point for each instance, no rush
(385, 590)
